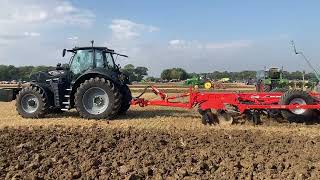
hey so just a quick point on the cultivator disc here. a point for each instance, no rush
(225, 119)
(221, 118)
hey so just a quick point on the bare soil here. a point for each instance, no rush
(60, 152)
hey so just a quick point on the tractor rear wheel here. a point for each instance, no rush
(126, 99)
(97, 99)
(31, 102)
(297, 97)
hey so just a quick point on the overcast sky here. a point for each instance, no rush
(199, 36)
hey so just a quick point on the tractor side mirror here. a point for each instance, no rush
(64, 52)
(59, 67)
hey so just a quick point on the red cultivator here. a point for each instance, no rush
(292, 105)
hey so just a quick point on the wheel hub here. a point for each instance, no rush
(298, 101)
(98, 101)
(32, 103)
(95, 100)
(29, 103)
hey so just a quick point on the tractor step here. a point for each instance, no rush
(64, 109)
(67, 103)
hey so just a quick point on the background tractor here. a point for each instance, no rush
(195, 81)
(92, 83)
(271, 80)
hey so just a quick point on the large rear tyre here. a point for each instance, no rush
(297, 97)
(31, 102)
(126, 99)
(97, 99)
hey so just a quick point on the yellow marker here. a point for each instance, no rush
(207, 85)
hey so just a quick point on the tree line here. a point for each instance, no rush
(181, 74)
(22, 73)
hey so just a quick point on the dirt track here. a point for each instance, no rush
(65, 153)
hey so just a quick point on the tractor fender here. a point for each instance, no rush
(102, 73)
(99, 72)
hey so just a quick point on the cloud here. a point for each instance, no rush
(31, 34)
(123, 29)
(74, 38)
(36, 12)
(11, 37)
(183, 44)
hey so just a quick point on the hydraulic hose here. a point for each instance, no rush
(144, 91)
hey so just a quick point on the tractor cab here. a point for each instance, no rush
(271, 80)
(94, 60)
(274, 73)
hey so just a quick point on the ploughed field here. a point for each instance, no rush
(154, 143)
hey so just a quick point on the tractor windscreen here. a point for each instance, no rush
(274, 73)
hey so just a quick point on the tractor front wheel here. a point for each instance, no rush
(97, 99)
(31, 102)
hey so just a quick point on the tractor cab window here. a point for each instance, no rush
(109, 60)
(81, 61)
(99, 60)
(103, 60)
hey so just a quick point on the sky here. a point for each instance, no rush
(199, 36)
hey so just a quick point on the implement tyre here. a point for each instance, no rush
(297, 97)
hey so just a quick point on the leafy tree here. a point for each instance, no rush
(135, 73)
(166, 74)
(174, 73)
(140, 72)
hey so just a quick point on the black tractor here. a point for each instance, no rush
(92, 83)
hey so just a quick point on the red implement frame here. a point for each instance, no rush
(222, 101)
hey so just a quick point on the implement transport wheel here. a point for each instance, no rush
(97, 99)
(225, 119)
(31, 102)
(297, 97)
(207, 85)
(126, 99)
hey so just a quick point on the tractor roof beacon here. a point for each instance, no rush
(92, 83)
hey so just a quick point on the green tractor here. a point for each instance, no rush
(195, 81)
(92, 83)
(271, 80)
